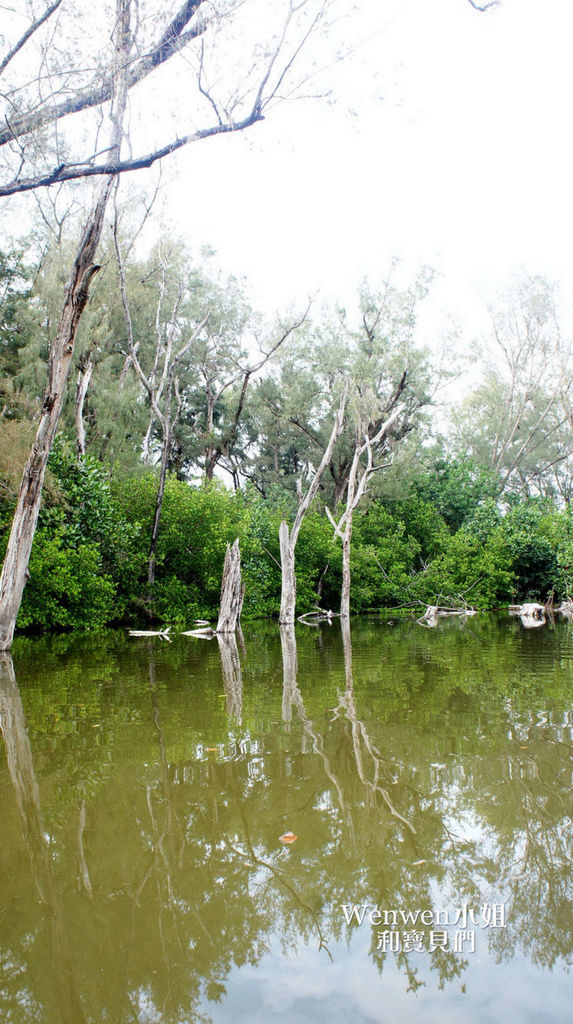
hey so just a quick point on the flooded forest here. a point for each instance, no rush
(286, 599)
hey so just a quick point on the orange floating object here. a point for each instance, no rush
(288, 837)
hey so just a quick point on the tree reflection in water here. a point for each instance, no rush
(154, 866)
(60, 976)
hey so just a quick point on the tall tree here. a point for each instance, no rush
(162, 385)
(84, 268)
(288, 537)
(390, 383)
(66, 84)
(516, 422)
(225, 361)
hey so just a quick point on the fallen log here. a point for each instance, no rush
(319, 615)
(531, 610)
(531, 614)
(163, 633)
(434, 612)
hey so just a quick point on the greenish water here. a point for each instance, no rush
(145, 785)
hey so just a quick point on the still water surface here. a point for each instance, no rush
(426, 773)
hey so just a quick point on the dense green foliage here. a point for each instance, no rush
(89, 561)
(476, 516)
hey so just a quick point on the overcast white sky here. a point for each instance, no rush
(457, 154)
(448, 143)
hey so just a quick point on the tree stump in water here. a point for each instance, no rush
(232, 591)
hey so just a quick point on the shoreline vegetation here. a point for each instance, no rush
(313, 443)
(89, 563)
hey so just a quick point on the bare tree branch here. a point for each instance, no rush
(84, 268)
(245, 373)
(70, 172)
(172, 40)
(28, 34)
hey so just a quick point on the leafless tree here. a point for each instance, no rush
(81, 79)
(163, 390)
(368, 443)
(288, 537)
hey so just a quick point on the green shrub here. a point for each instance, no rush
(67, 587)
(468, 569)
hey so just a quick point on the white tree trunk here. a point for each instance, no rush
(288, 539)
(82, 385)
(15, 568)
(288, 585)
(352, 498)
(346, 548)
(232, 591)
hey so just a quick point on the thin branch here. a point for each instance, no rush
(293, 58)
(203, 89)
(70, 172)
(27, 35)
(172, 40)
(129, 326)
(258, 104)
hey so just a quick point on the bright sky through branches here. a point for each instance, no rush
(449, 145)
(446, 143)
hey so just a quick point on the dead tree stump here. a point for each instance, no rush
(232, 591)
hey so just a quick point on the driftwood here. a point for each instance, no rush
(434, 612)
(532, 615)
(532, 610)
(319, 615)
(163, 633)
